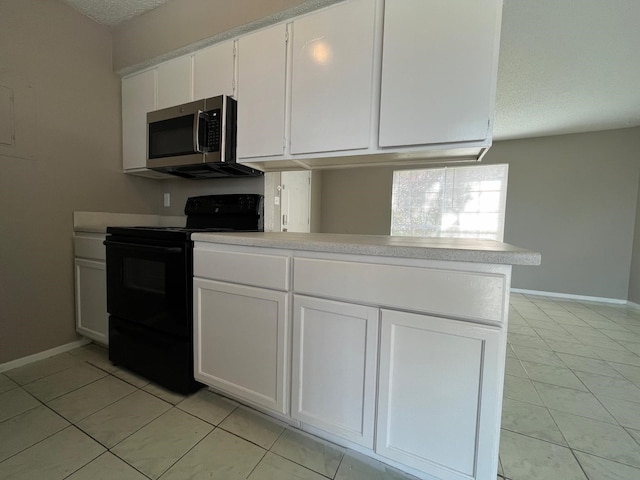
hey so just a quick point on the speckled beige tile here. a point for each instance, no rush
(355, 466)
(577, 402)
(521, 389)
(6, 384)
(15, 402)
(320, 456)
(253, 426)
(63, 382)
(526, 458)
(598, 468)
(162, 442)
(560, 376)
(116, 422)
(219, 456)
(598, 438)
(107, 467)
(165, 394)
(208, 406)
(81, 403)
(42, 368)
(274, 467)
(53, 458)
(530, 420)
(26, 429)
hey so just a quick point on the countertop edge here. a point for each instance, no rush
(514, 256)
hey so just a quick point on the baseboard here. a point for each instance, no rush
(570, 296)
(20, 362)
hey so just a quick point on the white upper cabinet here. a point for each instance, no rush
(438, 71)
(261, 92)
(175, 82)
(332, 78)
(213, 71)
(138, 98)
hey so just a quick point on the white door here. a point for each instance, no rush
(92, 319)
(138, 98)
(240, 341)
(438, 71)
(261, 92)
(213, 71)
(295, 205)
(334, 367)
(443, 377)
(332, 78)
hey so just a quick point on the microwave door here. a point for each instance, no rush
(174, 136)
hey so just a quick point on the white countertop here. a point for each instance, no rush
(450, 249)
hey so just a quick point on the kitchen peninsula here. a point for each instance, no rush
(394, 346)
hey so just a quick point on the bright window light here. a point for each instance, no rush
(459, 202)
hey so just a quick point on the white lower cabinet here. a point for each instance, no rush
(92, 319)
(240, 341)
(439, 403)
(334, 361)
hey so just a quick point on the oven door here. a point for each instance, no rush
(149, 283)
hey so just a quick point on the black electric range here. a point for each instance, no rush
(150, 287)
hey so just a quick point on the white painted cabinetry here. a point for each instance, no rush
(262, 60)
(438, 71)
(175, 82)
(332, 78)
(241, 330)
(440, 376)
(334, 367)
(92, 319)
(214, 71)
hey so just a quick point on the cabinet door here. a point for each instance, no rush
(438, 70)
(332, 78)
(261, 92)
(334, 367)
(175, 82)
(442, 377)
(240, 341)
(213, 71)
(138, 98)
(92, 319)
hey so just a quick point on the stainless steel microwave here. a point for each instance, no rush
(196, 140)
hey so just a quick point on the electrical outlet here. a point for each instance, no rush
(167, 199)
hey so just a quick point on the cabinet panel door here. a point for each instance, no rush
(438, 70)
(334, 367)
(332, 78)
(261, 92)
(92, 319)
(138, 98)
(240, 341)
(213, 71)
(443, 377)
(175, 82)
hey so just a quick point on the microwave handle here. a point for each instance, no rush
(196, 132)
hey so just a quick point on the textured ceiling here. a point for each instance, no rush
(566, 66)
(113, 12)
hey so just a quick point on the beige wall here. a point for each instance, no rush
(65, 60)
(571, 197)
(179, 24)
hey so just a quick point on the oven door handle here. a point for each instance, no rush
(143, 247)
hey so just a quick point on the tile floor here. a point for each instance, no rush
(571, 411)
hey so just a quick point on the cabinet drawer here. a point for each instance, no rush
(255, 269)
(471, 295)
(89, 247)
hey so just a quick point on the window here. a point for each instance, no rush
(461, 202)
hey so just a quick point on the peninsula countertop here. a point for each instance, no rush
(448, 249)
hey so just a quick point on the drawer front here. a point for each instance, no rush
(254, 269)
(469, 295)
(89, 247)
